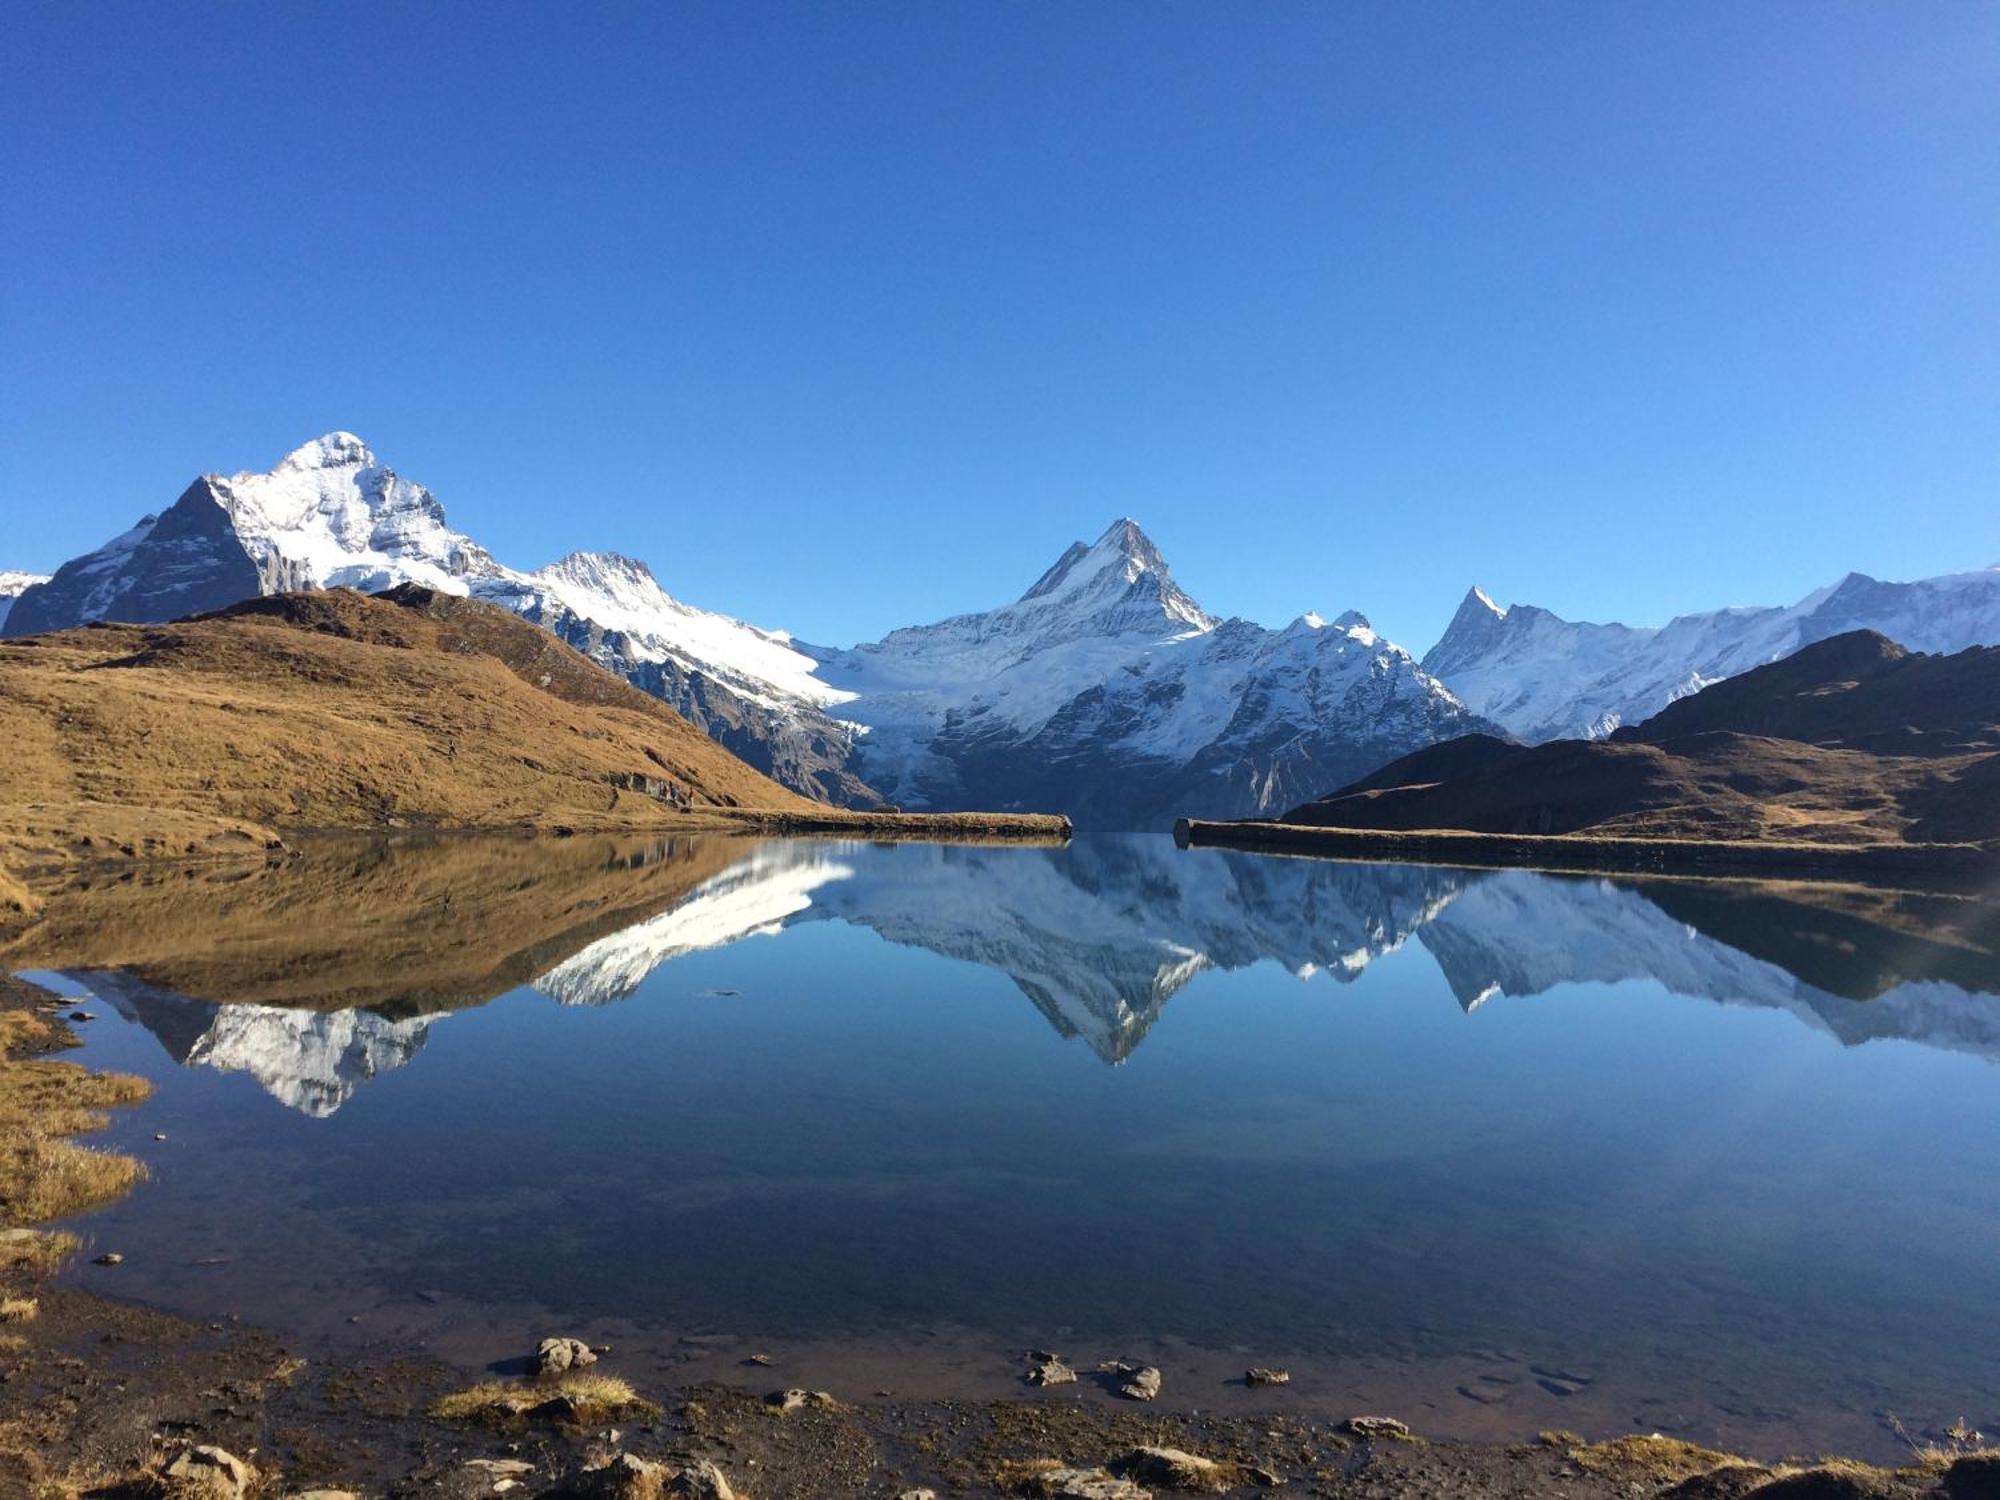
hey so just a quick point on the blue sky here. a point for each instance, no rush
(850, 316)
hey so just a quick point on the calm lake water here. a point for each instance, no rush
(1494, 1151)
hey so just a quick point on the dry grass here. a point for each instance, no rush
(43, 1175)
(1663, 1460)
(19, 1309)
(334, 711)
(590, 1398)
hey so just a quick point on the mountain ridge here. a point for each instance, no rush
(1103, 690)
(1543, 677)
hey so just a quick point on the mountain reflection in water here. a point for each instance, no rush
(317, 977)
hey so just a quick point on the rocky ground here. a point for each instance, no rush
(100, 1398)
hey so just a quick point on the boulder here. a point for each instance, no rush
(1832, 1482)
(1134, 1382)
(1059, 1482)
(1176, 1469)
(794, 1399)
(214, 1469)
(1976, 1477)
(702, 1480)
(560, 1354)
(1051, 1371)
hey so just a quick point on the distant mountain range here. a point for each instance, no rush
(1099, 936)
(1849, 740)
(1104, 691)
(1542, 677)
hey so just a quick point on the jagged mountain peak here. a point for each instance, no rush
(597, 567)
(334, 450)
(1122, 565)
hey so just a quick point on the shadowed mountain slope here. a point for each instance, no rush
(1852, 740)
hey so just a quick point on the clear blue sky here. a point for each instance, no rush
(852, 315)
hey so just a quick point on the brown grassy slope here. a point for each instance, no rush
(334, 710)
(1790, 752)
(405, 928)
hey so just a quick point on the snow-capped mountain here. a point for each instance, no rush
(750, 689)
(12, 584)
(1543, 677)
(1104, 691)
(331, 515)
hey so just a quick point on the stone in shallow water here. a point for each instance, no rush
(1134, 1382)
(1265, 1375)
(559, 1354)
(1051, 1371)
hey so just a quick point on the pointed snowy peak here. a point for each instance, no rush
(1122, 567)
(1472, 630)
(336, 450)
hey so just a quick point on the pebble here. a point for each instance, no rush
(111, 1258)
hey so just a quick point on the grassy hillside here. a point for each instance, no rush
(1850, 742)
(336, 710)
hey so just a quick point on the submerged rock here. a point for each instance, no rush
(1051, 1371)
(1265, 1375)
(559, 1354)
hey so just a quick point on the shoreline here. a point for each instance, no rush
(1947, 864)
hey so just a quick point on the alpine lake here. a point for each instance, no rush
(1489, 1151)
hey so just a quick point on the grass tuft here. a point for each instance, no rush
(1663, 1460)
(590, 1398)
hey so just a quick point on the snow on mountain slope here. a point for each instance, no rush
(331, 515)
(11, 586)
(1105, 692)
(1543, 677)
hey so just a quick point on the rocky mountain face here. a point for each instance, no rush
(1104, 691)
(1543, 677)
(12, 585)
